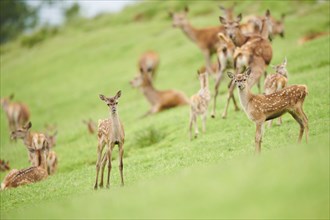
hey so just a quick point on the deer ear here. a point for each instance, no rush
(247, 71)
(230, 75)
(267, 13)
(118, 94)
(186, 9)
(11, 96)
(239, 18)
(102, 97)
(28, 125)
(285, 61)
(222, 20)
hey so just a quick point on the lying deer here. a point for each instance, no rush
(21, 177)
(159, 100)
(91, 125)
(261, 108)
(110, 133)
(199, 103)
(37, 146)
(4, 166)
(148, 62)
(17, 113)
(276, 82)
(206, 38)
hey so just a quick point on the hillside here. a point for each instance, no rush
(166, 175)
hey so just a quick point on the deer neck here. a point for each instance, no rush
(150, 93)
(190, 32)
(240, 39)
(245, 96)
(28, 139)
(116, 134)
(264, 30)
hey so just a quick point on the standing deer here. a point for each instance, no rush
(148, 62)
(199, 103)
(261, 108)
(206, 38)
(38, 148)
(17, 113)
(110, 133)
(276, 82)
(91, 125)
(21, 177)
(159, 100)
(254, 51)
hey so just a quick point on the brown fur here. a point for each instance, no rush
(159, 100)
(312, 36)
(91, 125)
(148, 63)
(260, 108)
(4, 166)
(206, 38)
(110, 133)
(17, 113)
(21, 177)
(52, 162)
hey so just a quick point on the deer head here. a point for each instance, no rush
(6, 100)
(281, 68)
(111, 102)
(203, 78)
(179, 19)
(21, 133)
(232, 26)
(51, 133)
(141, 80)
(240, 79)
(278, 26)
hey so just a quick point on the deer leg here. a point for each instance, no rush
(196, 126)
(121, 165)
(270, 122)
(279, 120)
(305, 122)
(104, 161)
(259, 86)
(216, 92)
(298, 118)
(98, 162)
(234, 101)
(204, 122)
(191, 124)
(230, 93)
(109, 154)
(258, 138)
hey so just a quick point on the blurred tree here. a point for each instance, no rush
(15, 17)
(72, 13)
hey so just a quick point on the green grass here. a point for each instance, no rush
(166, 175)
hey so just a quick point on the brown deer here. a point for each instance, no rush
(17, 113)
(21, 177)
(91, 125)
(38, 148)
(261, 108)
(199, 103)
(159, 100)
(110, 133)
(36, 144)
(206, 38)
(4, 166)
(254, 51)
(276, 82)
(51, 134)
(148, 62)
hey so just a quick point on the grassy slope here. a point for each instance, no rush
(212, 176)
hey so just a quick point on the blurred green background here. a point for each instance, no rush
(60, 71)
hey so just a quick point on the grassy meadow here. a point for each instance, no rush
(166, 175)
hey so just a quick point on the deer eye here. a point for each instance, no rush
(116, 103)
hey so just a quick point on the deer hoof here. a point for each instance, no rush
(101, 185)
(212, 116)
(224, 116)
(95, 187)
(108, 186)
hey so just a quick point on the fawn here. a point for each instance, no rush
(38, 147)
(276, 82)
(51, 134)
(261, 108)
(17, 113)
(110, 133)
(206, 38)
(148, 62)
(159, 100)
(91, 126)
(21, 177)
(199, 103)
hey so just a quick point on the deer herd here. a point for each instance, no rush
(243, 49)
